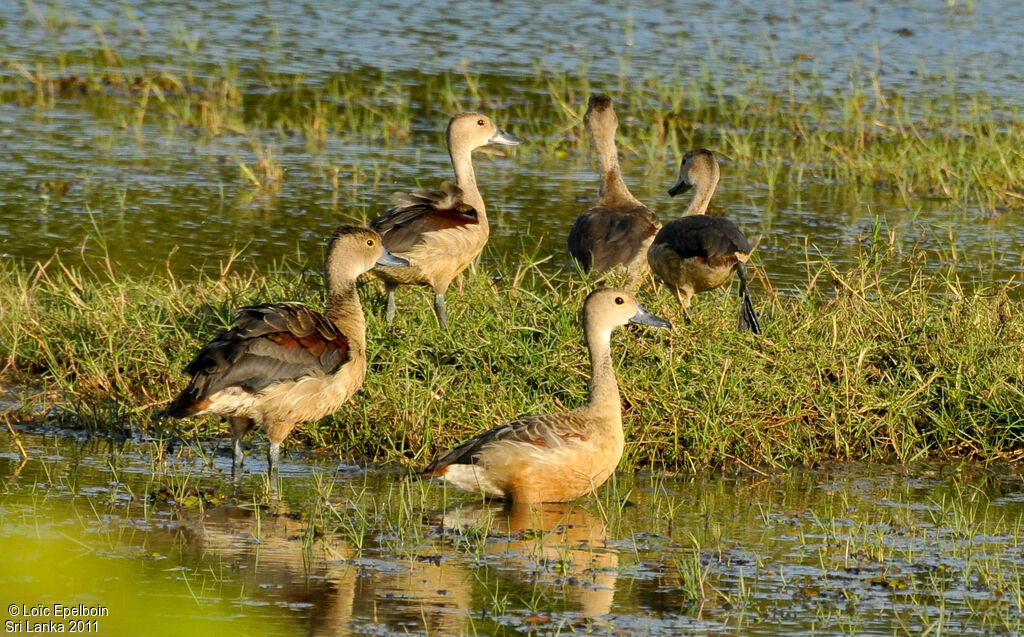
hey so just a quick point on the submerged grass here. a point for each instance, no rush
(881, 362)
(965, 149)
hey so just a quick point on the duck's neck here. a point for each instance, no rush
(604, 389)
(465, 178)
(346, 312)
(701, 198)
(614, 191)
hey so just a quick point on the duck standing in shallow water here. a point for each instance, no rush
(618, 229)
(699, 252)
(555, 457)
(441, 231)
(283, 363)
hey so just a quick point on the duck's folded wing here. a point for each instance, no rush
(420, 212)
(548, 431)
(268, 344)
(704, 236)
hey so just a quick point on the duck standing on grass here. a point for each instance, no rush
(555, 457)
(699, 252)
(618, 229)
(441, 231)
(283, 363)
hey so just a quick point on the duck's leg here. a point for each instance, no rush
(748, 318)
(684, 296)
(239, 427)
(273, 466)
(389, 302)
(439, 310)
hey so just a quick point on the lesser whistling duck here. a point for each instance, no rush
(618, 229)
(562, 456)
(283, 363)
(441, 231)
(699, 252)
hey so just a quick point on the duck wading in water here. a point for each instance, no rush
(555, 457)
(284, 363)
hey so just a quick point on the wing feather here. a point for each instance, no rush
(703, 236)
(267, 344)
(420, 212)
(602, 238)
(550, 431)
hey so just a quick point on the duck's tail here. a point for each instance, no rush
(748, 318)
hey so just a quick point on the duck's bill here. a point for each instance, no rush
(390, 259)
(508, 139)
(643, 317)
(680, 187)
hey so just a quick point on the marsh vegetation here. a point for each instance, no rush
(164, 166)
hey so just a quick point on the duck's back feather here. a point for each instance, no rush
(603, 237)
(420, 212)
(549, 431)
(703, 236)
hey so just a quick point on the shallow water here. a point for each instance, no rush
(158, 194)
(348, 549)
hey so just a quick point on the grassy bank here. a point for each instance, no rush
(878, 363)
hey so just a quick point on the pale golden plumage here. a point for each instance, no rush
(555, 457)
(618, 229)
(441, 231)
(282, 364)
(699, 252)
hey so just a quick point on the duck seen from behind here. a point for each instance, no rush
(618, 229)
(284, 363)
(441, 231)
(555, 457)
(699, 252)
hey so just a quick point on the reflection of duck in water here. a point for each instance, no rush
(554, 543)
(274, 559)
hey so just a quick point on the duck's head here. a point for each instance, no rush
(353, 250)
(600, 115)
(699, 168)
(473, 130)
(608, 308)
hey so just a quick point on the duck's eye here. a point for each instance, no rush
(479, 122)
(619, 300)
(371, 242)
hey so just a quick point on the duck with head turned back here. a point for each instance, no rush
(441, 231)
(699, 252)
(283, 363)
(555, 457)
(618, 229)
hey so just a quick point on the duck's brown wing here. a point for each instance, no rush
(549, 431)
(602, 238)
(420, 212)
(703, 236)
(267, 344)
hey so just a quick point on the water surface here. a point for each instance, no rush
(349, 549)
(156, 193)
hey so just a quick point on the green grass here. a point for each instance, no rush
(881, 362)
